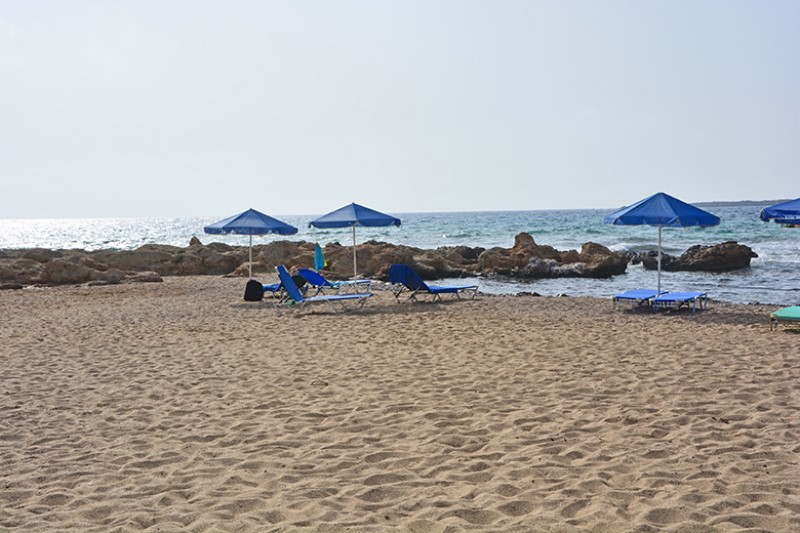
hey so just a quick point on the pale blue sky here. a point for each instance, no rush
(200, 108)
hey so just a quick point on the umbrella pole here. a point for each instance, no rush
(659, 258)
(355, 271)
(250, 264)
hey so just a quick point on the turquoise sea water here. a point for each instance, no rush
(774, 276)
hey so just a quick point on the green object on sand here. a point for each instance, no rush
(787, 314)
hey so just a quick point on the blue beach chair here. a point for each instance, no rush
(317, 281)
(676, 300)
(273, 288)
(276, 289)
(636, 296)
(336, 301)
(405, 279)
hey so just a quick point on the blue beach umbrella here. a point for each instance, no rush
(250, 222)
(351, 216)
(783, 213)
(662, 210)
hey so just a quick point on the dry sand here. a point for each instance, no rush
(178, 407)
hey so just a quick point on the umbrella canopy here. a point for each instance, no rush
(354, 215)
(250, 222)
(351, 216)
(662, 210)
(784, 212)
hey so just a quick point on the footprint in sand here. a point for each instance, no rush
(656, 454)
(507, 490)
(99, 512)
(378, 457)
(477, 517)
(379, 494)
(56, 499)
(384, 479)
(662, 515)
(574, 508)
(516, 508)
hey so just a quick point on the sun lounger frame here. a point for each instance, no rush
(637, 296)
(337, 302)
(317, 281)
(436, 292)
(776, 320)
(414, 285)
(677, 300)
(277, 291)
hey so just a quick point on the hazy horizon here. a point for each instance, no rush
(703, 204)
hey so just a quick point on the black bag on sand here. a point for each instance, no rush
(253, 291)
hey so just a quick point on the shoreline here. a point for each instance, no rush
(764, 307)
(178, 406)
(381, 287)
(595, 270)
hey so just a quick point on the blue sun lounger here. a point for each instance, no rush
(276, 289)
(336, 301)
(272, 288)
(676, 300)
(405, 279)
(786, 314)
(636, 296)
(317, 281)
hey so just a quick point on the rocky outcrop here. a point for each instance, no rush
(723, 257)
(602, 262)
(525, 259)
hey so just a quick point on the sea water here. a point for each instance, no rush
(774, 277)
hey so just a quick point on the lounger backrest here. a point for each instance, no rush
(288, 284)
(314, 277)
(405, 274)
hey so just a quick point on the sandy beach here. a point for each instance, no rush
(176, 406)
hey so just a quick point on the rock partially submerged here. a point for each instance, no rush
(722, 257)
(530, 260)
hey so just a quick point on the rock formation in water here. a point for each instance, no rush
(530, 260)
(722, 257)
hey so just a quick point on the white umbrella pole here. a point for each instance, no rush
(659, 258)
(355, 271)
(250, 264)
